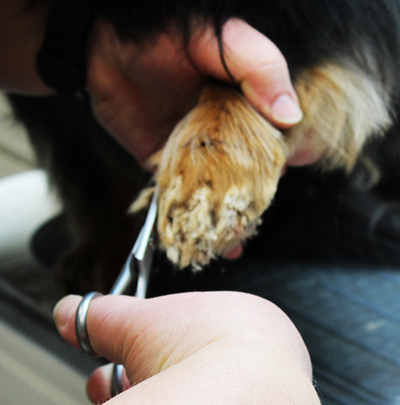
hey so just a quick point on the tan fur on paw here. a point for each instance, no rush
(218, 173)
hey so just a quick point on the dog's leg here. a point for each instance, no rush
(343, 106)
(221, 166)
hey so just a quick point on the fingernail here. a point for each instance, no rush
(286, 111)
(65, 309)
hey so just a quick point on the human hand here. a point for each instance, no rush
(194, 348)
(139, 91)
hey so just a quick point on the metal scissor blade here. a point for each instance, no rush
(142, 242)
(144, 248)
(140, 259)
(125, 277)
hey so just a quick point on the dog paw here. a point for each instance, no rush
(218, 173)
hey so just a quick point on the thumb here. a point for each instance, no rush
(255, 63)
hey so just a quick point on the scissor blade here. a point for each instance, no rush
(141, 257)
(144, 249)
(125, 276)
(142, 242)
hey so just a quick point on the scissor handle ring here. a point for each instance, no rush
(80, 323)
(116, 381)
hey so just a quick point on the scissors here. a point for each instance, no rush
(138, 264)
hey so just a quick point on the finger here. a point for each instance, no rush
(106, 323)
(255, 63)
(308, 151)
(64, 318)
(235, 253)
(98, 387)
(305, 155)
